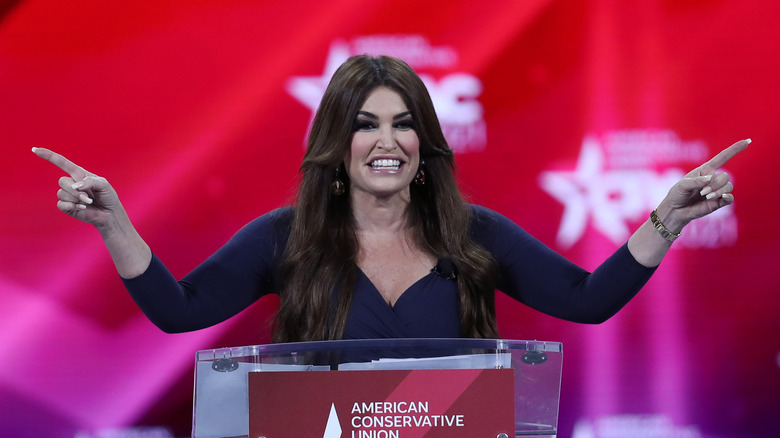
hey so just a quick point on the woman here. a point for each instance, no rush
(381, 243)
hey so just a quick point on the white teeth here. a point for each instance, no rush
(385, 164)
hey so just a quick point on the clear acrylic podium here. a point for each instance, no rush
(221, 400)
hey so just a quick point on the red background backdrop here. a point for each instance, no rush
(571, 118)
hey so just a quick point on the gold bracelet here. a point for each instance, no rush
(665, 233)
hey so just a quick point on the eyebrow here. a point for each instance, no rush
(375, 117)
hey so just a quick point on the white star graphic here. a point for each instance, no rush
(309, 89)
(608, 198)
(455, 97)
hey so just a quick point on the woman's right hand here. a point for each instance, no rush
(91, 199)
(83, 195)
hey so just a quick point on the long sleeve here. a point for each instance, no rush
(537, 276)
(235, 276)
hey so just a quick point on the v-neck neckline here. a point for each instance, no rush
(378, 294)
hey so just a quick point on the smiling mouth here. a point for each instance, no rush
(385, 164)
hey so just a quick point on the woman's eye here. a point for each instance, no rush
(364, 125)
(405, 124)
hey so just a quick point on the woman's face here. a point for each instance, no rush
(385, 152)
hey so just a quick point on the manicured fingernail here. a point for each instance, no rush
(712, 195)
(81, 206)
(85, 198)
(705, 191)
(749, 141)
(34, 149)
(707, 178)
(77, 185)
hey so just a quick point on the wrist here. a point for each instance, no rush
(661, 228)
(115, 225)
(670, 218)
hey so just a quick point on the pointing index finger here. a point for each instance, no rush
(726, 154)
(77, 172)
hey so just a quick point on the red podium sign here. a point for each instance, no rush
(382, 404)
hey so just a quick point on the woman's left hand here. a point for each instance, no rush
(702, 191)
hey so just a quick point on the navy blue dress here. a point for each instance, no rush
(246, 268)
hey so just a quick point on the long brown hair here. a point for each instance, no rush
(320, 257)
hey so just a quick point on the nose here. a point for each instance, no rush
(386, 139)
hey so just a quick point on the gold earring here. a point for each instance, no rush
(419, 179)
(337, 186)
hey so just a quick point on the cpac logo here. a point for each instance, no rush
(454, 95)
(614, 184)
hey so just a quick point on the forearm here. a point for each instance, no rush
(647, 245)
(228, 281)
(131, 255)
